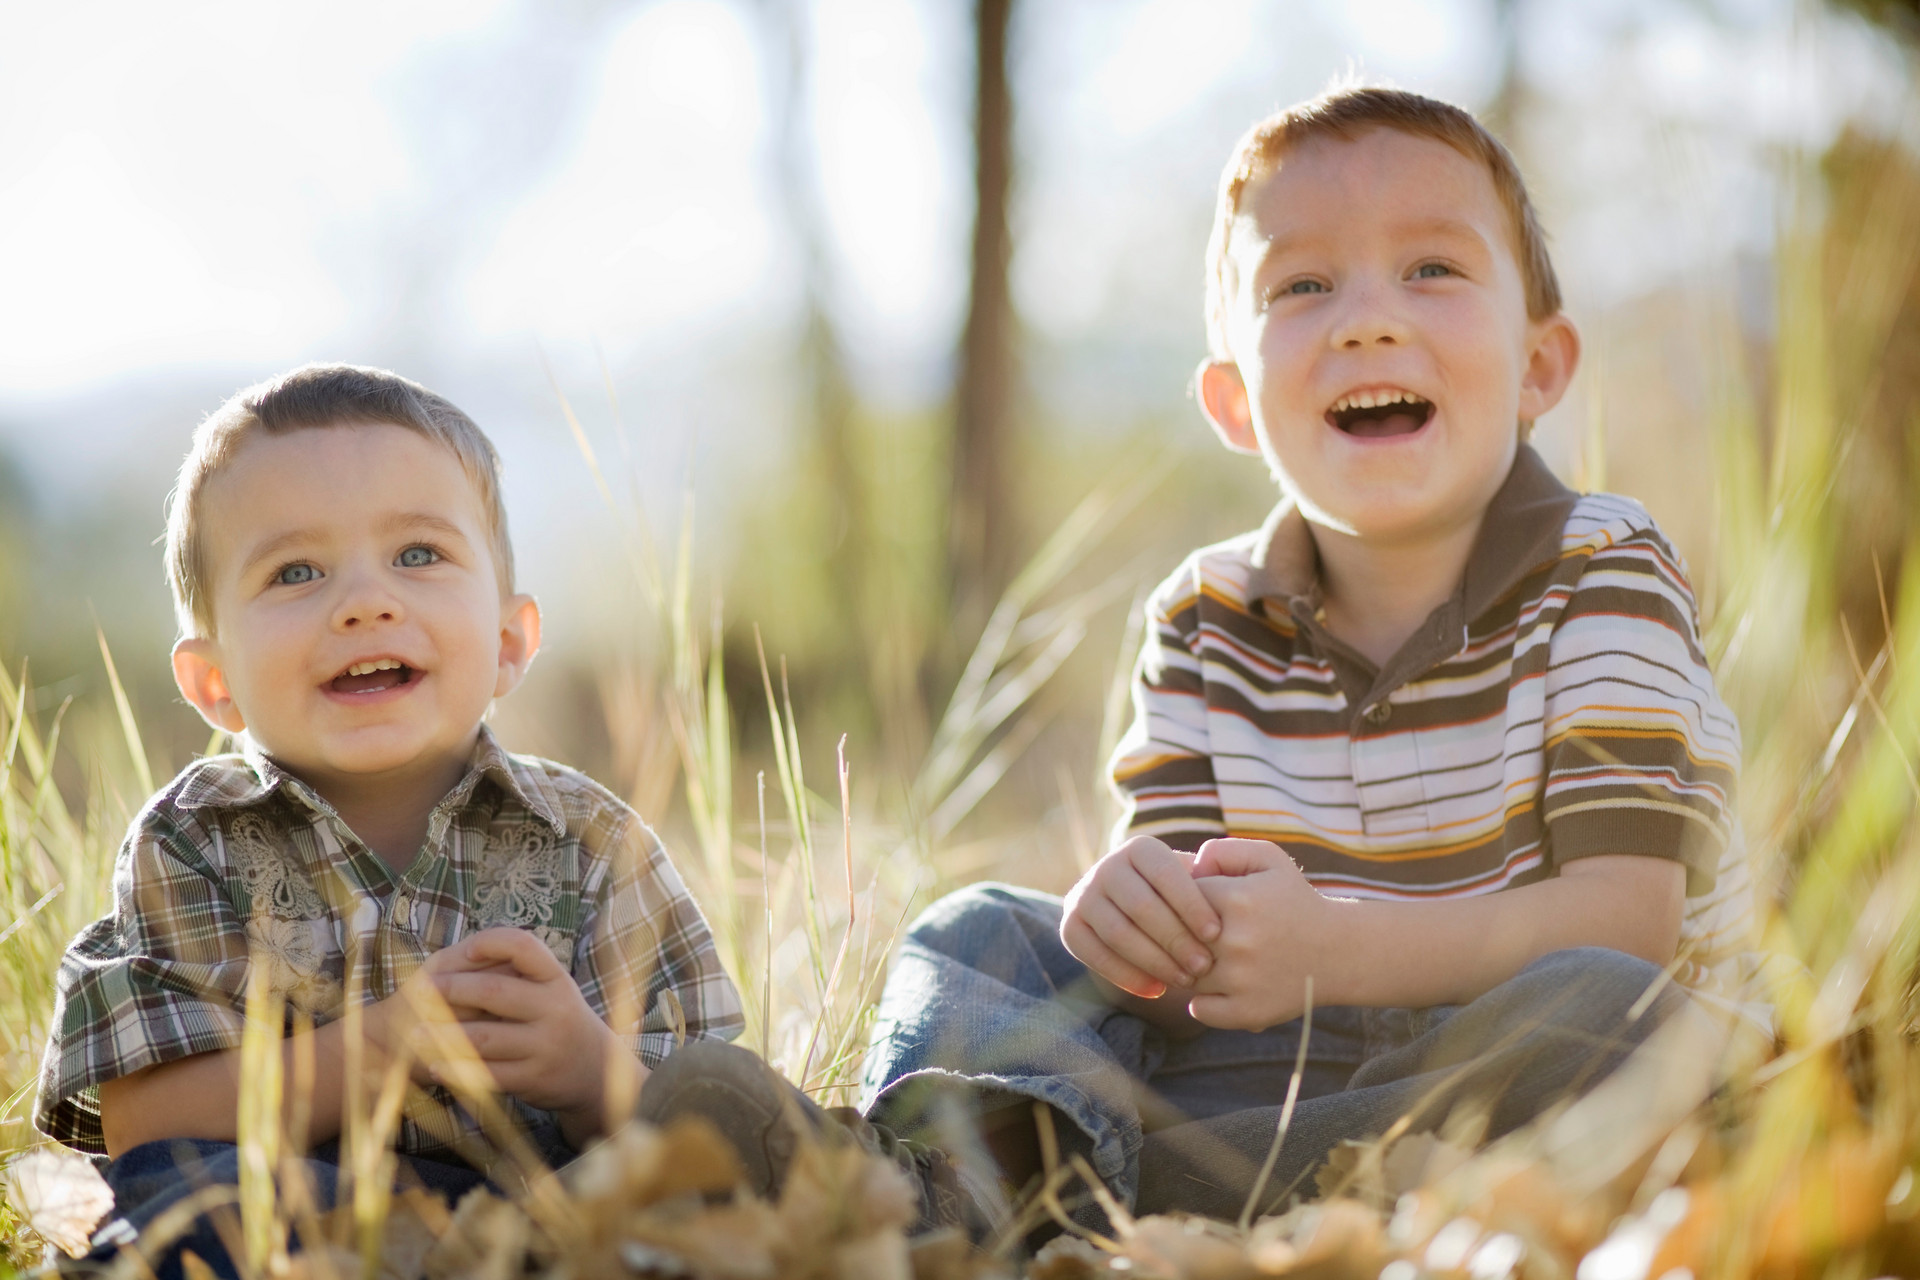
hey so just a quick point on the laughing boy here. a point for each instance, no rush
(1439, 738)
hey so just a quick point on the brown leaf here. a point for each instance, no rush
(737, 1241)
(487, 1239)
(1341, 1238)
(880, 1256)
(1188, 1249)
(1417, 1159)
(639, 1165)
(697, 1159)
(60, 1195)
(1067, 1258)
(946, 1255)
(415, 1223)
(1355, 1169)
(843, 1193)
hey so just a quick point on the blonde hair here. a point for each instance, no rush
(311, 397)
(1345, 112)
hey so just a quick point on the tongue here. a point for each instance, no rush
(372, 682)
(1387, 424)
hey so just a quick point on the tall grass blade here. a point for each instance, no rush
(130, 727)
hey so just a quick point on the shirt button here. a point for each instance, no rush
(1378, 714)
(401, 911)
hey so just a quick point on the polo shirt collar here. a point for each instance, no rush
(261, 777)
(1522, 531)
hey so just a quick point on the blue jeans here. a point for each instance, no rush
(986, 1008)
(155, 1176)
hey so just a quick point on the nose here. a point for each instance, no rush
(1370, 315)
(366, 599)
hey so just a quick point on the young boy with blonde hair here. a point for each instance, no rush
(338, 551)
(1439, 739)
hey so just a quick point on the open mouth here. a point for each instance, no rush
(1375, 414)
(373, 677)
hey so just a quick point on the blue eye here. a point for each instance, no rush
(1431, 270)
(417, 557)
(1305, 286)
(295, 575)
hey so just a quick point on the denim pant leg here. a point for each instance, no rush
(1552, 1031)
(156, 1176)
(985, 1008)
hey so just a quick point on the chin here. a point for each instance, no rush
(378, 755)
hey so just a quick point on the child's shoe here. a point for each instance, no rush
(765, 1119)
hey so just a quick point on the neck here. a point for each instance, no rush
(390, 810)
(1376, 596)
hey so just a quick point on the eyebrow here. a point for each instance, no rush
(1443, 226)
(1446, 227)
(275, 545)
(424, 520)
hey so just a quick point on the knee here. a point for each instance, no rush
(983, 917)
(1601, 988)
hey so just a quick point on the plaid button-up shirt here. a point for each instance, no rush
(237, 859)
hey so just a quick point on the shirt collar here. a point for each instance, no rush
(1521, 531)
(257, 777)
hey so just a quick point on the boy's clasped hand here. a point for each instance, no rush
(520, 1013)
(1230, 934)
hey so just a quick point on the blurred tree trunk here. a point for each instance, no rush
(982, 538)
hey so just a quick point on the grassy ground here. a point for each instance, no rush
(1804, 1163)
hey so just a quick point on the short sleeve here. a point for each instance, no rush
(643, 935)
(161, 978)
(1642, 756)
(1162, 768)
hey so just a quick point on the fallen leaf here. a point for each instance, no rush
(1189, 1249)
(947, 1255)
(1340, 1238)
(60, 1195)
(880, 1256)
(488, 1239)
(1067, 1257)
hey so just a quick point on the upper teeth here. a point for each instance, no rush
(368, 668)
(1374, 400)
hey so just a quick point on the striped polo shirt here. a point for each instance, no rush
(1557, 705)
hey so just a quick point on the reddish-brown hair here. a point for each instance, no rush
(1346, 113)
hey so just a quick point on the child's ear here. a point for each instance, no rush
(196, 670)
(519, 641)
(1550, 365)
(1223, 398)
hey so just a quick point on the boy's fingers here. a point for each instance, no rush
(1237, 857)
(1148, 910)
(502, 995)
(516, 947)
(1215, 1011)
(1171, 876)
(1123, 937)
(1099, 957)
(502, 1041)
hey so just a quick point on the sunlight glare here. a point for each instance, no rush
(657, 218)
(1168, 58)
